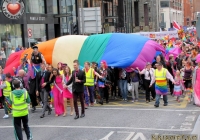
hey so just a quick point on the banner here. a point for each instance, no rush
(160, 35)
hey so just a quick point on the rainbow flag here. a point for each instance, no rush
(161, 87)
(183, 37)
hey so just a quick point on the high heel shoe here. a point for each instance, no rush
(65, 114)
(72, 113)
(56, 115)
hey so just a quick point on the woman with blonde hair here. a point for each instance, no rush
(67, 92)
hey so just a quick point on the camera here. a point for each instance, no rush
(24, 60)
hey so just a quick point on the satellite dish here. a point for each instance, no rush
(198, 27)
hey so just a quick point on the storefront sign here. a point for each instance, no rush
(160, 35)
(13, 9)
(38, 18)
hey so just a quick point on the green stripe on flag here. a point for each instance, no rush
(93, 48)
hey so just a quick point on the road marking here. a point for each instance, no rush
(99, 127)
(140, 109)
(139, 135)
(186, 123)
(131, 134)
(107, 136)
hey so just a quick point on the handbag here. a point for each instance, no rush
(129, 86)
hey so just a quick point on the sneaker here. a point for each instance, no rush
(126, 100)
(5, 116)
(161, 97)
(86, 106)
(132, 101)
(136, 100)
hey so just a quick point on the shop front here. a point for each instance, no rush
(33, 23)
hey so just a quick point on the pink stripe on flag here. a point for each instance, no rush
(146, 55)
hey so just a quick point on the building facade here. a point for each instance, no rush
(196, 9)
(125, 15)
(188, 12)
(42, 20)
(171, 10)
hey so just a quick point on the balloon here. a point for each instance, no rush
(117, 49)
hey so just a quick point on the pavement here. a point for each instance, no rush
(117, 120)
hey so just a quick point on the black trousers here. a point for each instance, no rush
(187, 83)
(171, 87)
(149, 89)
(18, 127)
(32, 92)
(104, 93)
(81, 96)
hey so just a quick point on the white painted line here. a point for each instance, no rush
(140, 109)
(196, 129)
(99, 127)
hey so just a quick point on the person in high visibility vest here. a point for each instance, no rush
(89, 84)
(160, 78)
(6, 86)
(20, 99)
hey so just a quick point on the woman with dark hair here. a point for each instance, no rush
(159, 59)
(58, 93)
(67, 92)
(188, 69)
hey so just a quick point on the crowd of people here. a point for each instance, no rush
(37, 82)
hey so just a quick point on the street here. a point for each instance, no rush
(114, 121)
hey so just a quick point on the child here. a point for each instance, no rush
(6, 86)
(20, 99)
(189, 92)
(178, 86)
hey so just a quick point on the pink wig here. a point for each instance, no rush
(105, 64)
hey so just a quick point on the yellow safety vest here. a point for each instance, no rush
(89, 77)
(19, 105)
(161, 75)
(7, 90)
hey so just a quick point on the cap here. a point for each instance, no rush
(35, 47)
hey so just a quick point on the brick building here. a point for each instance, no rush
(188, 12)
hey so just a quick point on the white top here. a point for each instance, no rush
(3, 55)
(146, 73)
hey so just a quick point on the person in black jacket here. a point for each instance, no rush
(78, 79)
(43, 87)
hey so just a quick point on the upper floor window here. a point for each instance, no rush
(35, 6)
(164, 4)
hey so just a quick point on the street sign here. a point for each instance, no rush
(29, 32)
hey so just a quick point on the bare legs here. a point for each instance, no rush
(71, 105)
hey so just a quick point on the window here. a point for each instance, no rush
(38, 32)
(55, 7)
(164, 4)
(10, 37)
(35, 6)
(1, 1)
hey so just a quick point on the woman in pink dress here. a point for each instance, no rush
(196, 82)
(67, 93)
(58, 93)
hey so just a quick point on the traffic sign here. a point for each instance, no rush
(29, 32)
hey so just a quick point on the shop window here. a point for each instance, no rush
(35, 6)
(10, 37)
(38, 33)
(55, 6)
(1, 1)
